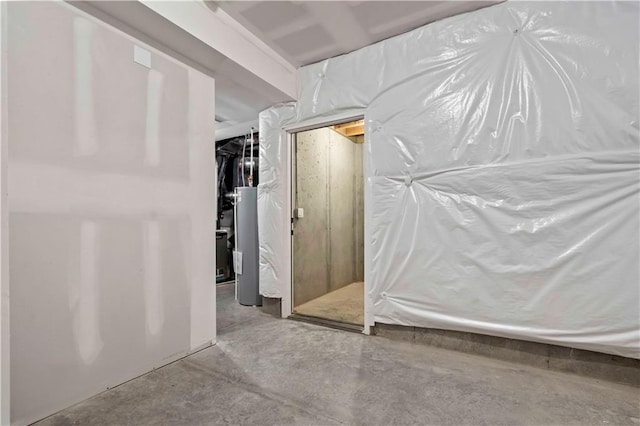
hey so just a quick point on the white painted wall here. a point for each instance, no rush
(112, 208)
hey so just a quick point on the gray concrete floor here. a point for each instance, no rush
(266, 371)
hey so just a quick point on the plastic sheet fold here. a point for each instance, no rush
(274, 223)
(502, 172)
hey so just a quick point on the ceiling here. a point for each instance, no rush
(304, 32)
(301, 32)
(240, 95)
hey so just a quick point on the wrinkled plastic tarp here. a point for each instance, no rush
(502, 151)
(274, 221)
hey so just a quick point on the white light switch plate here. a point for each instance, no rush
(141, 56)
(298, 213)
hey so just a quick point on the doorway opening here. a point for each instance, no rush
(237, 231)
(328, 225)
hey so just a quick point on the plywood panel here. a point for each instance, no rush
(345, 304)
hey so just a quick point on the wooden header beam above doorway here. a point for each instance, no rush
(354, 128)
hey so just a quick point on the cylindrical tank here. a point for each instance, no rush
(247, 246)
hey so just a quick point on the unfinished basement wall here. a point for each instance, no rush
(501, 172)
(328, 246)
(112, 208)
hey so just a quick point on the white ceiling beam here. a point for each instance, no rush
(217, 29)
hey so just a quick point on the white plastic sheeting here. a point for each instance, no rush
(502, 172)
(274, 221)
